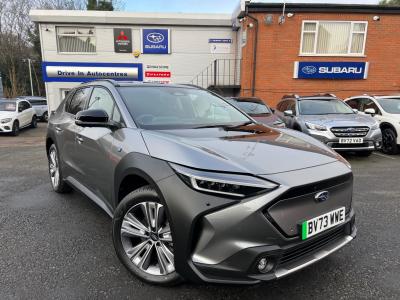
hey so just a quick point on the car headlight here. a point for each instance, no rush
(233, 185)
(4, 121)
(315, 127)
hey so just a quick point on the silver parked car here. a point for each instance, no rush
(40, 106)
(328, 119)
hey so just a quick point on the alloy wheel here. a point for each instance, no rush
(147, 240)
(388, 141)
(54, 168)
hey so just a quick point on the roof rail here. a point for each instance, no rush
(290, 96)
(112, 81)
(321, 95)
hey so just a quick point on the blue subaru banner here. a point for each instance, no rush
(330, 70)
(156, 41)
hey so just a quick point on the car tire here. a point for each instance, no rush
(389, 141)
(56, 178)
(365, 153)
(34, 122)
(145, 247)
(45, 117)
(15, 128)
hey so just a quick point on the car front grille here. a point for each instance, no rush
(359, 131)
(299, 251)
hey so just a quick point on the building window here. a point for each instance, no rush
(328, 38)
(76, 40)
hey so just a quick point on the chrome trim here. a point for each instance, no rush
(281, 272)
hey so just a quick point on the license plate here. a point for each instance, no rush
(351, 140)
(323, 222)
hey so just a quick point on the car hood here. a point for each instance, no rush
(339, 120)
(7, 114)
(254, 149)
(269, 119)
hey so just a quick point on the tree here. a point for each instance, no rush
(390, 2)
(100, 5)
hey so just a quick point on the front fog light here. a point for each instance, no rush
(234, 185)
(264, 265)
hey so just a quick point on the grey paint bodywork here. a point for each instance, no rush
(208, 230)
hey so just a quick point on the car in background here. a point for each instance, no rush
(386, 110)
(257, 109)
(196, 189)
(16, 114)
(330, 120)
(40, 106)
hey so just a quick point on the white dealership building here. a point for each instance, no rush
(78, 46)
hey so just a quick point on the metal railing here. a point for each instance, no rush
(220, 73)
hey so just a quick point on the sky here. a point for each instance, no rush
(211, 6)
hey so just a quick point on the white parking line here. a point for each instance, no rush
(385, 156)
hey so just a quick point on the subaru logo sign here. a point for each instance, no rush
(321, 196)
(309, 69)
(156, 41)
(155, 37)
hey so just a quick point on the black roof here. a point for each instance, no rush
(321, 7)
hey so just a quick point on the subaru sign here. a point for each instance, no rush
(156, 41)
(330, 70)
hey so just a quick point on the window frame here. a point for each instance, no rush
(352, 32)
(75, 35)
(68, 101)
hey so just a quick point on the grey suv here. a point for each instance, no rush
(328, 119)
(196, 189)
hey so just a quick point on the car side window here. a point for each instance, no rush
(292, 106)
(101, 99)
(282, 106)
(20, 107)
(354, 103)
(77, 102)
(368, 103)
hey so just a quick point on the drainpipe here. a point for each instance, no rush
(253, 81)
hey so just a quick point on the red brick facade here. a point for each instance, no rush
(279, 47)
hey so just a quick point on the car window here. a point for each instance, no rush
(8, 106)
(101, 99)
(23, 105)
(253, 108)
(323, 107)
(390, 105)
(282, 106)
(292, 106)
(77, 102)
(354, 103)
(178, 107)
(368, 103)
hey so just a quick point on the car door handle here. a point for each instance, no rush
(58, 129)
(79, 139)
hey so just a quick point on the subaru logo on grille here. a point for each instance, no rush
(322, 196)
(155, 37)
(309, 69)
(351, 129)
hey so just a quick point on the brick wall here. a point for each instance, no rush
(279, 47)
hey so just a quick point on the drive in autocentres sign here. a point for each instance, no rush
(156, 41)
(81, 72)
(122, 40)
(330, 70)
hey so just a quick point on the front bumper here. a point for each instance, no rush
(220, 240)
(7, 127)
(372, 141)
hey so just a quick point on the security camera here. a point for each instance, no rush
(289, 15)
(376, 18)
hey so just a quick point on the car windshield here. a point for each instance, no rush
(252, 108)
(178, 107)
(323, 107)
(390, 105)
(8, 106)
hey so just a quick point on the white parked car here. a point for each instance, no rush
(386, 110)
(40, 106)
(16, 114)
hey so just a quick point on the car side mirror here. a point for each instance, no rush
(288, 113)
(370, 111)
(94, 118)
(355, 110)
